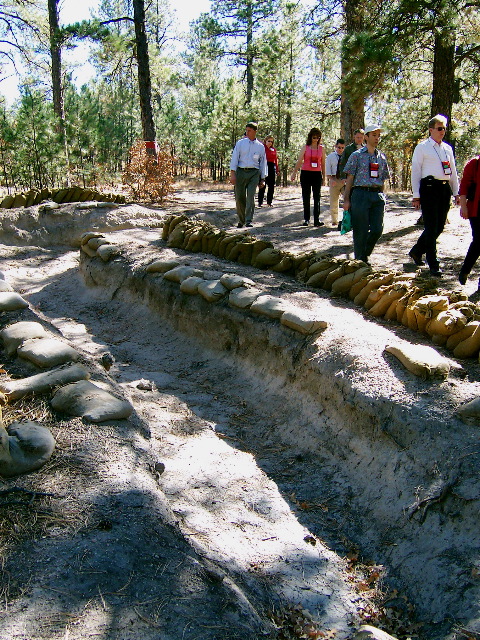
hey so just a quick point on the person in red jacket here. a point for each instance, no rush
(272, 165)
(470, 210)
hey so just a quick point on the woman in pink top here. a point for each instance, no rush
(312, 162)
(272, 165)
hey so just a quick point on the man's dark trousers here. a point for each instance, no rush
(435, 198)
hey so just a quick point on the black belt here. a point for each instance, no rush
(375, 189)
(432, 179)
(249, 168)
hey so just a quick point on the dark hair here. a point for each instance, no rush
(311, 133)
(340, 141)
(358, 131)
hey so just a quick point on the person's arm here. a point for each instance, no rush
(234, 165)
(416, 175)
(299, 164)
(348, 189)
(469, 176)
(323, 166)
(454, 177)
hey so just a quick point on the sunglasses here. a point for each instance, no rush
(440, 128)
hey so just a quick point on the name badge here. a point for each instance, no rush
(314, 164)
(374, 169)
(447, 170)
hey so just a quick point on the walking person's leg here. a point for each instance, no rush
(359, 214)
(316, 188)
(240, 195)
(473, 252)
(305, 181)
(271, 182)
(375, 221)
(251, 187)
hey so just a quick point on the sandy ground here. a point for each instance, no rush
(212, 513)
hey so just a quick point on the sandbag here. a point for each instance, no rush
(12, 301)
(420, 360)
(232, 281)
(162, 266)
(391, 294)
(85, 399)
(178, 274)
(446, 323)
(468, 347)
(212, 290)
(24, 447)
(47, 352)
(243, 297)
(176, 237)
(43, 382)
(190, 285)
(345, 283)
(107, 251)
(470, 411)
(303, 321)
(269, 306)
(380, 280)
(267, 258)
(13, 335)
(461, 335)
(285, 264)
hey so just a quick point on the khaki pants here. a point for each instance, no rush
(335, 191)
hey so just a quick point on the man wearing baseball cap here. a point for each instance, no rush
(248, 168)
(366, 169)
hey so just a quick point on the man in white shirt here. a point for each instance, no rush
(335, 182)
(434, 181)
(248, 168)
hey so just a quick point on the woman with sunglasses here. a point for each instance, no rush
(272, 167)
(312, 163)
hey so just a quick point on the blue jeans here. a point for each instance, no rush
(366, 209)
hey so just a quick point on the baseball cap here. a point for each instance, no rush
(373, 127)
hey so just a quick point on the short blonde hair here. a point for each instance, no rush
(438, 119)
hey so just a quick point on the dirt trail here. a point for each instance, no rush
(210, 546)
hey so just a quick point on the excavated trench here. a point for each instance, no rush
(370, 459)
(371, 456)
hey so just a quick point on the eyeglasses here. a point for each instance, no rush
(440, 128)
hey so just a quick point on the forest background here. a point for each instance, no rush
(334, 64)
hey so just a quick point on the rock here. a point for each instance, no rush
(470, 411)
(85, 399)
(107, 251)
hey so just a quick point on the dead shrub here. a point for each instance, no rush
(149, 177)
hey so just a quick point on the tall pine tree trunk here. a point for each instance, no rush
(443, 88)
(144, 81)
(57, 88)
(249, 54)
(352, 114)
